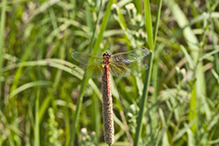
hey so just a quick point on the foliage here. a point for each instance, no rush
(43, 102)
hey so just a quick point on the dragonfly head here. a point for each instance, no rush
(107, 54)
(106, 57)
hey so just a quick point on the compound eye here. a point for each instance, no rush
(106, 54)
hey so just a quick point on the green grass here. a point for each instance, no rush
(174, 102)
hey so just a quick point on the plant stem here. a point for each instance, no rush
(2, 26)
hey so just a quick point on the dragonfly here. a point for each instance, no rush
(119, 64)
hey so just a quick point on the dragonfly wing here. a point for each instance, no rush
(133, 62)
(118, 69)
(84, 58)
(123, 69)
(137, 67)
(130, 56)
(93, 70)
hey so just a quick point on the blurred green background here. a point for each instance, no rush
(42, 102)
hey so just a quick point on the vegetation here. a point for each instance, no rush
(174, 102)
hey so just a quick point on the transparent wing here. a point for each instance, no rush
(121, 69)
(122, 64)
(83, 58)
(130, 56)
(93, 70)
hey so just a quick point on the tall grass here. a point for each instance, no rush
(174, 102)
(148, 25)
(2, 28)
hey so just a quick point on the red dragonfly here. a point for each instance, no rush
(119, 64)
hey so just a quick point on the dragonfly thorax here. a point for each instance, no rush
(106, 57)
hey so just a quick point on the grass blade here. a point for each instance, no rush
(149, 29)
(155, 76)
(2, 26)
(36, 126)
(28, 85)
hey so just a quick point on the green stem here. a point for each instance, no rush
(155, 70)
(143, 101)
(2, 26)
(78, 109)
(36, 132)
(148, 26)
(138, 6)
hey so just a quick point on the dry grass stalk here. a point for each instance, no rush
(107, 108)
